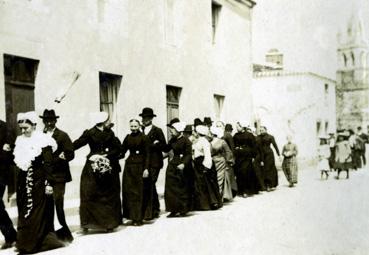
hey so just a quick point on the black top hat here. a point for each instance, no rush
(208, 121)
(147, 112)
(49, 114)
(188, 129)
(228, 127)
(175, 120)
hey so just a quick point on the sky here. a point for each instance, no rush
(305, 31)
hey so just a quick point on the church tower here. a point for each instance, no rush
(352, 89)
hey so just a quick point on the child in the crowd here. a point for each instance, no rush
(323, 156)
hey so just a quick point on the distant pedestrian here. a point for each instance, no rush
(332, 146)
(343, 154)
(364, 140)
(289, 164)
(356, 145)
(324, 154)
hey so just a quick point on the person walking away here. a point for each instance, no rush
(100, 205)
(157, 144)
(289, 164)
(61, 171)
(6, 225)
(332, 146)
(324, 154)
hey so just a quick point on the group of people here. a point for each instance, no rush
(343, 151)
(207, 167)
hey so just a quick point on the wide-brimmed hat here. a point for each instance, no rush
(98, 117)
(188, 129)
(49, 114)
(202, 130)
(208, 121)
(179, 126)
(147, 112)
(175, 120)
(30, 116)
(228, 127)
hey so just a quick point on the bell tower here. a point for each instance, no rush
(352, 90)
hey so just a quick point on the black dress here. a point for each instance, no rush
(136, 189)
(35, 208)
(100, 206)
(245, 152)
(178, 185)
(269, 170)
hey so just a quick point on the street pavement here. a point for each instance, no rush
(315, 217)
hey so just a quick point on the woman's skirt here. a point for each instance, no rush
(230, 184)
(206, 188)
(270, 171)
(221, 167)
(178, 186)
(323, 164)
(289, 167)
(247, 180)
(35, 214)
(100, 206)
(136, 193)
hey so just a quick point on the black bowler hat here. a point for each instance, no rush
(208, 121)
(228, 127)
(49, 114)
(147, 112)
(175, 120)
(197, 122)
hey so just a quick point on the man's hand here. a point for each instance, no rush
(181, 166)
(6, 147)
(49, 190)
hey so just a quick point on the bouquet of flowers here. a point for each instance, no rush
(100, 164)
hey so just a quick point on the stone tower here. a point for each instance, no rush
(352, 76)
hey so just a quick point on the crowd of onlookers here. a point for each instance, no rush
(343, 151)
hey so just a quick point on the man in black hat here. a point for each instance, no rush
(208, 122)
(61, 170)
(157, 144)
(6, 225)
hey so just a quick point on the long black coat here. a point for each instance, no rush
(61, 170)
(156, 155)
(100, 195)
(5, 157)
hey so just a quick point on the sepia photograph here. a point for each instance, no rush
(176, 127)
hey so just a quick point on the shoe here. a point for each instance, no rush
(172, 215)
(7, 245)
(183, 214)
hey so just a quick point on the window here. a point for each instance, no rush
(215, 12)
(173, 95)
(326, 93)
(345, 59)
(109, 90)
(353, 58)
(218, 105)
(326, 127)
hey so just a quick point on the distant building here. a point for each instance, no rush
(184, 59)
(352, 76)
(301, 104)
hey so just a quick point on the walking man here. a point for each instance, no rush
(61, 170)
(157, 144)
(6, 225)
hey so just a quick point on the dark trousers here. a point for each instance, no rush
(155, 198)
(58, 194)
(6, 225)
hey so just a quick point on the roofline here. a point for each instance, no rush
(276, 73)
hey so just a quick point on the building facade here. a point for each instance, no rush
(184, 59)
(295, 103)
(352, 76)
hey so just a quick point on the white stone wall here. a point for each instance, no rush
(140, 40)
(300, 98)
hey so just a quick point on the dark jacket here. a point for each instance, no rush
(156, 155)
(245, 146)
(61, 170)
(5, 157)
